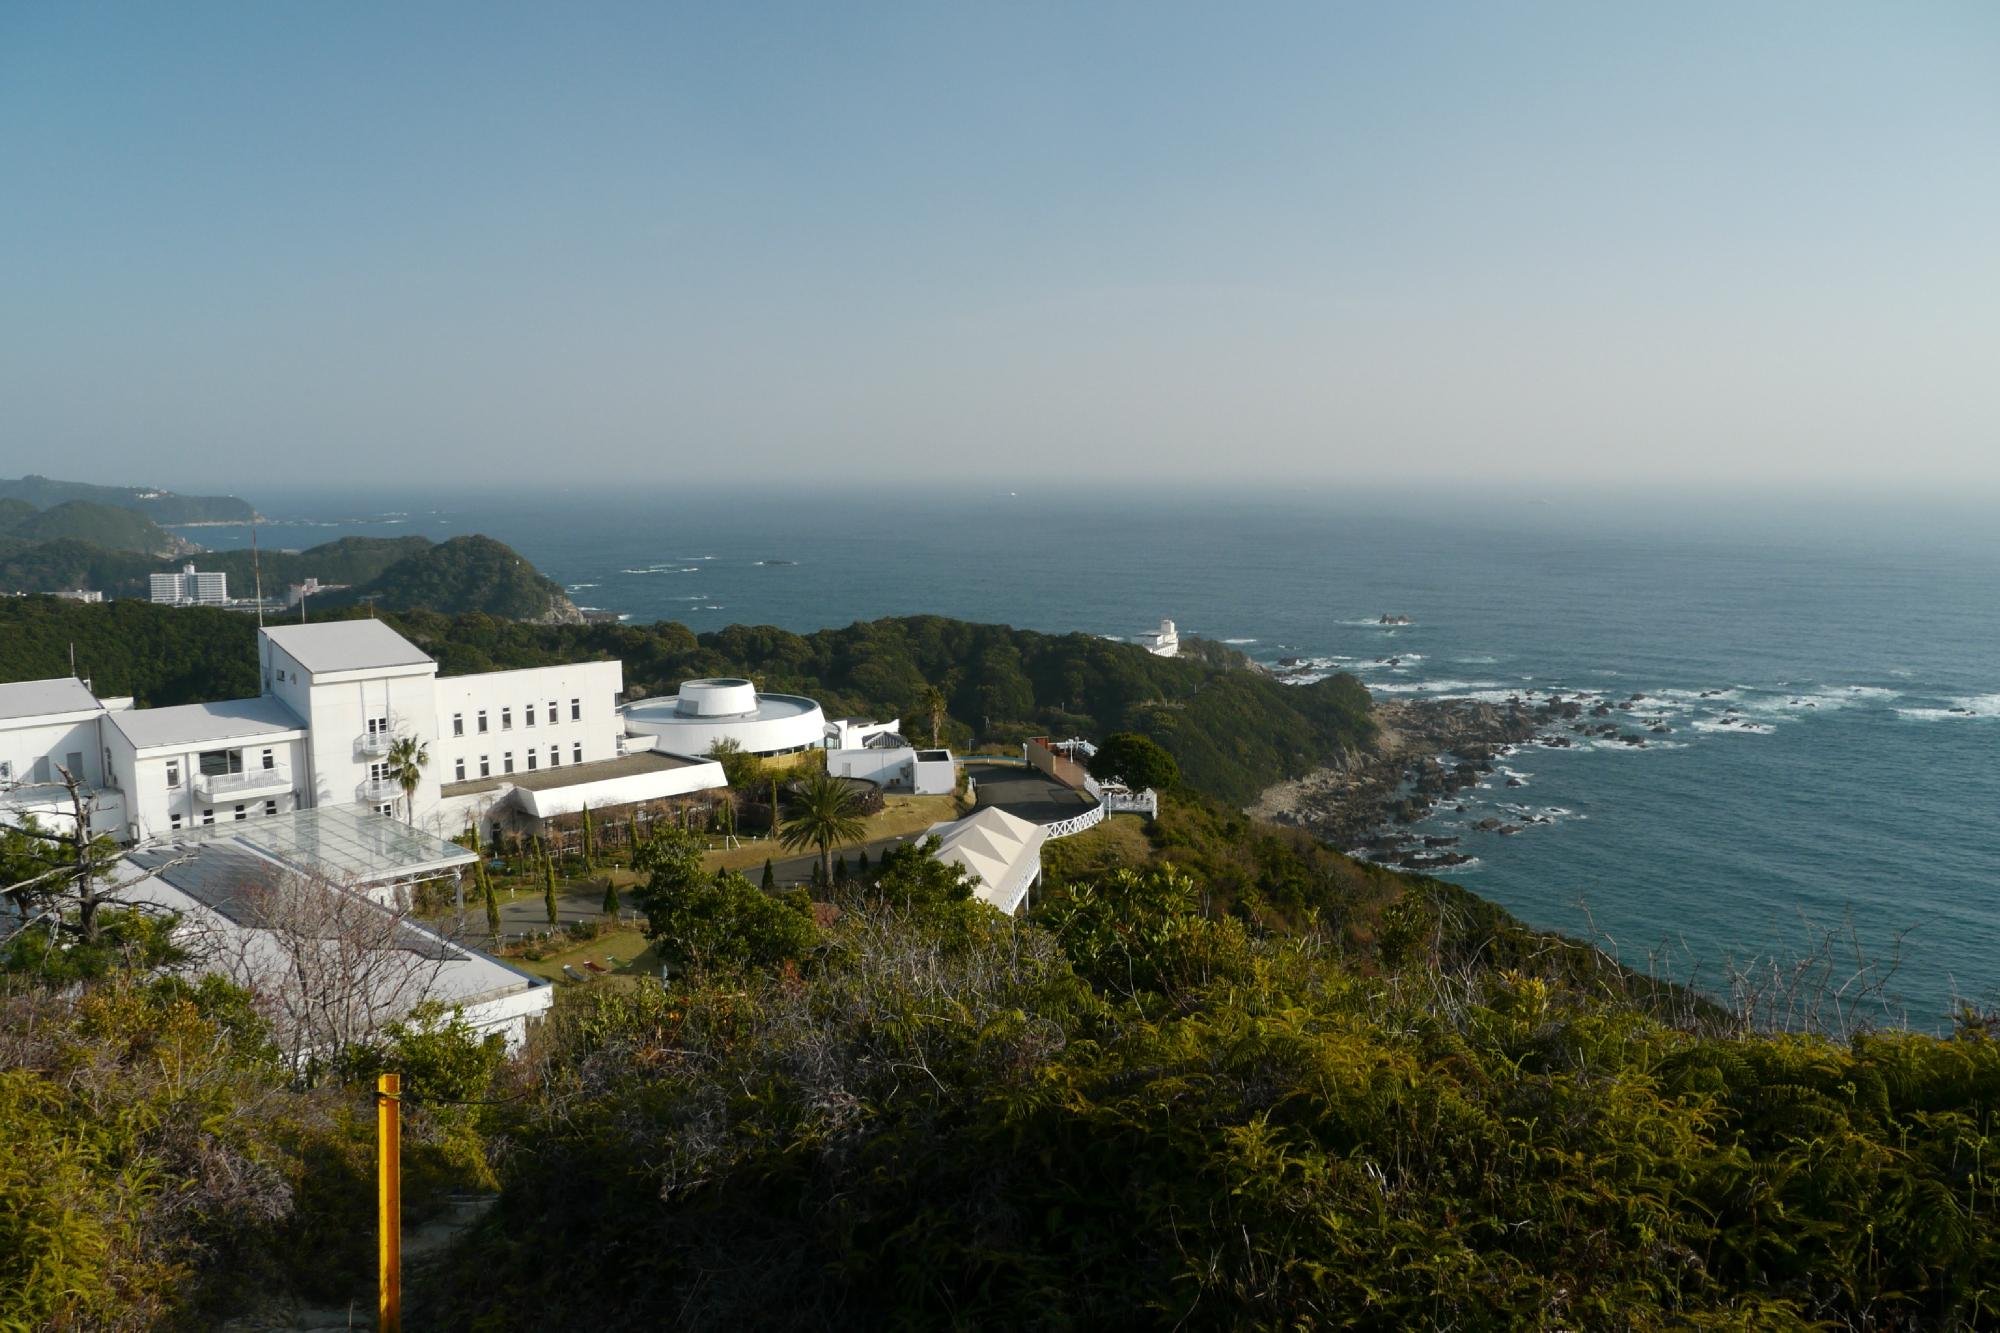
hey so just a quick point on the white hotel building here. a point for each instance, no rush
(504, 746)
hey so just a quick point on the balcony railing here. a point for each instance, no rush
(377, 790)
(250, 782)
(374, 742)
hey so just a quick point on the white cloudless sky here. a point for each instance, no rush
(1249, 244)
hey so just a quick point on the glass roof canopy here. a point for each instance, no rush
(344, 843)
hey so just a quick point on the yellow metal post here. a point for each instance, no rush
(389, 1202)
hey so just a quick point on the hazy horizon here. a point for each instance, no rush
(1617, 251)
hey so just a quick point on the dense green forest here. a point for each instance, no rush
(1137, 1107)
(462, 574)
(1232, 729)
(157, 505)
(114, 529)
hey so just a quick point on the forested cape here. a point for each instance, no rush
(461, 574)
(1233, 729)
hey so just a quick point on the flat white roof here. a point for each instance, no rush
(198, 724)
(36, 698)
(346, 645)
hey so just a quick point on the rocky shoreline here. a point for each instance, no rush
(1426, 751)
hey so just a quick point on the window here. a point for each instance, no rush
(553, 714)
(576, 753)
(459, 768)
(485, 767)
(531, 761)
(7, 770)
(270, 760)
(215, 763)
(208, 816)
(507, 762)
(387, 811)
(531, 715)
(242, 812)
(271, 807)
(576, 710)
(173, 774)
(506, 719)
(458, 724)
(174, 822)
(482, 721)
(555, 756)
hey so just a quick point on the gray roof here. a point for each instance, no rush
(346, 645)
(346, 844)
(33, 698)
(198, 724)
(235, 883)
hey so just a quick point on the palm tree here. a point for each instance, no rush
(408, 758)
(933, 702)
(823, 814)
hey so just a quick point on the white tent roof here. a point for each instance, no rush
(1003, 851)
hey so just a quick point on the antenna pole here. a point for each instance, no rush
(257, 569)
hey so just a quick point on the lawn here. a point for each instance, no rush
(899, 817)
(632, 955)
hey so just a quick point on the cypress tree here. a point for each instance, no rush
(589, 842)
(861, 863)
(840, 869)
(770, 880)
(549, 887)
(486, 894)
(610, 897)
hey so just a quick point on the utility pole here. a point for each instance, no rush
(389, 1202)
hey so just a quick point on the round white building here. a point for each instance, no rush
(725, 708)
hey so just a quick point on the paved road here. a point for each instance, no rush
(1026, 792)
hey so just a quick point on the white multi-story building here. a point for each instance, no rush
(1162, 642)
(500, 748)
(190, 587)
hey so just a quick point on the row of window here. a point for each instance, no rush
(507, 761)
(208, 816)
(507, 717)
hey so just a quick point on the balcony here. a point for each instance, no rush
(377, 790)
(241, 786)
(373, 743)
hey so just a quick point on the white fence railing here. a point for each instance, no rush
(1076, 823)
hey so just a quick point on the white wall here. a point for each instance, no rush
(52, 740)
(888, 768)
(506, 697)
(152, 804)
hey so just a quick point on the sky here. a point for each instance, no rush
(505, 246)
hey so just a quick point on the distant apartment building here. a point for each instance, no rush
(190, 587)
(81, 595)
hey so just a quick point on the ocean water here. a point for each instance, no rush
(1830, 678)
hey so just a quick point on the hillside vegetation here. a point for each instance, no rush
(464, 574)
(100, 525)
(158, 505)
(1232, 729)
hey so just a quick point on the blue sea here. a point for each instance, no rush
(1829, 674)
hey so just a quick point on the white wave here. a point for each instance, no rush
(1431, 686)
(1965, 709)
(1239, 641)
(579, 587)
(1475, 661)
